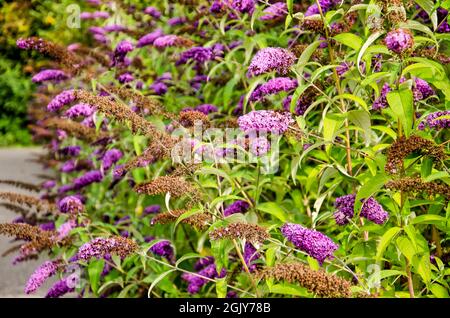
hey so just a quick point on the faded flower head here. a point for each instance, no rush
(100, 247)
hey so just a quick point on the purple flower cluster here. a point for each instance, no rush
(165, 41)
(273, 86)
(61, 100)
(94, 15)
(197, 54)
(274, 11)
(314, 243)
(87, 179)
(164, 249)
(125, 78)
(371, 210)
(79, 110)
(110, 157)
(121, 51)
(61, 288)
(437, 120)
(422, 89)
(97, 248)
(49, 184)
(259, 146)
(208, 270)
(238, 206)
(265, 121)
(271, 59)
(149, 38)
(49, 75)
(152, 11)
(399, 40)
(49, 226)
(71, 151)
(70, 204)
(176, 21)
(65, 228)
(151, 209)
(325, 5)
(250, 256)
(40, 275)
(381, 101)
(206, 108)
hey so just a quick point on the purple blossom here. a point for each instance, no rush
(152, 11)
(61, 100)
(275, 11)
(70, 204)
(371, 210)
(314, 243)
(203, 262)
(195, 283)
(399, 40)
(151, 209)
(259, 146)
(68, 166)
(381, 101)
(437, 120)
(79, 110)
(164, 249)
(271, 59)
(273, 86)
(97, 248)
(165, 41)
(250, 256)
(65, 188)
(121, 51)
(238, 206)
(60, 288)
(48, 184)
(325, 5)
(65, 228)
(243, 6)
(97, 30)
(87, 179)
(149, 38)
(206, 108)
(110, 157)
(422, 89)
(49, 226)
(343, 68)
(100, 15)
(114, 28)
(176, 21)
(125, 78)
(71, 151)
(119, 172)
(264, 121)
(40, 275)
(49, 75)
(159, 88)
(443, 27)
(101, 38)
(197, 54)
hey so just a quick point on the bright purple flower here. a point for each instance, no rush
(264, 121)
(61, 100)
(437, 120)
(151, 209)
(206, 108)
(125, 78)
(243, 6)
(68, 166)
(164, 249)
(121, 51)
(197, 54)
(73, 47)
(176, 21)
(271, 59)
(422, 89)
(345, 209)
(381, 101)
(149, 38)
(87, 179)
(153, 12)
(49, 75)
(70, 204)
(48, 184)
(399, 40)
(100, 248)
(314, 243)
(250, 256)
(100, 15)
(195, 283)
(275, 11)
(238, 206)
(61, 288)
(40, 275)
(49, 226)
(325, 5)
(101, 38)
(97, 30)
(343, 68)
(165, 41)
(71, 151)
(110, 157)
(85, 15)
(444, 27)
(65, 228)
(203, 262)
(159, 88)
(114, 28)
(273, 86)
(373, 211)
(79, 110)
(65, 188)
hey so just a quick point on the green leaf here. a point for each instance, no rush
(350, 40)
(290, 289)
(439, 291)
(331, 125)
(95, 269)
(221, 287)
(385, 241)
(369, 188)
(401, 103)
(356, 99)
(361, 119)
(372, 38)
(406, 247)
(428, 7)
(157, 280)
(273, 209)
(187, 256)
(429, 219)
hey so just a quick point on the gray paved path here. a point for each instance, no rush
(15, 164)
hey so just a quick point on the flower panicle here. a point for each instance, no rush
(252, 233)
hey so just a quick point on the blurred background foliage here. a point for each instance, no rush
(45, 18)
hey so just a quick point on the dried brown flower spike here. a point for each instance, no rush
(177, 186)
(252, 233)
(319, 282)
(199, 220)
(22, 185)
(413, 185)
(29, 201)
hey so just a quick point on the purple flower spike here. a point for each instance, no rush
(437, 120)
(40, 275)
(49, 75)
(61, 288)
(265, 121)
(399, 40)
(79, 110)
(87, 179)
(110, 157)
(273, 86)
(238, 206)
(149, 38)
(70, 204)
(152, 11)
(271, 59)
(314, 243)
(61, 100)
(275, 11)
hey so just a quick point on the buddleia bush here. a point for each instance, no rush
(241, 149)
